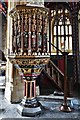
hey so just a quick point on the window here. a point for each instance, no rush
(61, 31)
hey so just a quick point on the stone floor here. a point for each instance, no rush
(50, 109)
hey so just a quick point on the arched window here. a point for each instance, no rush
(61, 31)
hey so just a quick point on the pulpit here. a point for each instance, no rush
(30, 51)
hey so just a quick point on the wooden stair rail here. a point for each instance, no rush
(54, 74)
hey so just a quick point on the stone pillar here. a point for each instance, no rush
(14, 89)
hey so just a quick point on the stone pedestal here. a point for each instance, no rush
(29, 68)
(29, 107)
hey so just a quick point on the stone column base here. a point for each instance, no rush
(31, 112)
(29, 107)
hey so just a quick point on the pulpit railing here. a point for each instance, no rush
(55, 73)
(29, 30)
(64, 107)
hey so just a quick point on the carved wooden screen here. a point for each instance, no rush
(61, 30)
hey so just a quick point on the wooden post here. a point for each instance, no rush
(64, 107)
